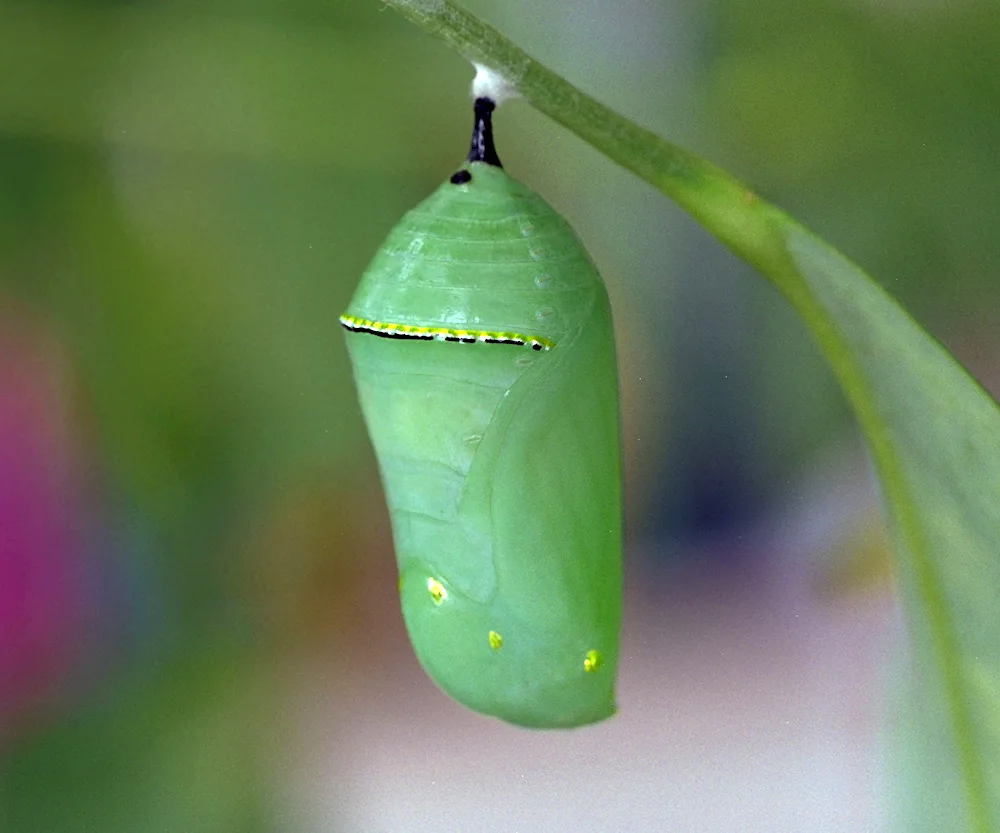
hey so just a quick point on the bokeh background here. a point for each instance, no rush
(199, 628)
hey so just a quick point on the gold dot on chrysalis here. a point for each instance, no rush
(592, 661)
(437, 591)
(496, 641)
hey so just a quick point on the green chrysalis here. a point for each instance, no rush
(484, 356)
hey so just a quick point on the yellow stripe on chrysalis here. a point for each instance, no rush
(390, 330)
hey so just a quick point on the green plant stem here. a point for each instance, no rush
(725, 206)
(758, 233)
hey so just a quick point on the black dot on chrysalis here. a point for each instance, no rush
(460, 177)
(482, 148)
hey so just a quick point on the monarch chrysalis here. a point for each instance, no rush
(484, 357)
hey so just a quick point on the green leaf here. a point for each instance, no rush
(934, 436)
(934, 433)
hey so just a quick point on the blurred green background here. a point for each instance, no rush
(199, 628)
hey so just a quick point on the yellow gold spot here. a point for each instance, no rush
(437, 591)
(496, 641)
(592, 661)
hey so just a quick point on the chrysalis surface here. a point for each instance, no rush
(484, 356)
